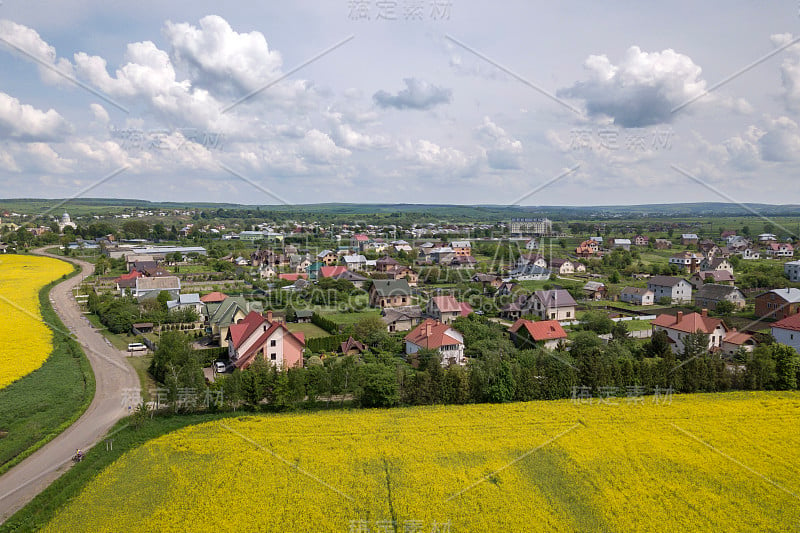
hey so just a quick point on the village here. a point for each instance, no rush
(282, 296)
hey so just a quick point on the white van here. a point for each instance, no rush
(136, 347)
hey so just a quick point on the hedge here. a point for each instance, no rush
(325, 323)
(326, 344)
(209, 355)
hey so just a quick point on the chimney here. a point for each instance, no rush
(704, 312)
(269, 316)
(679, 317)
(428, 326)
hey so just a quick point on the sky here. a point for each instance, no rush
(401, 101)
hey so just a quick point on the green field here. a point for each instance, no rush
(309, 330)
(37, 407)
(682, 463)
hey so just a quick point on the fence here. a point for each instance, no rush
(147, 342)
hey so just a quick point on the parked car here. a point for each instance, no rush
(220, 367)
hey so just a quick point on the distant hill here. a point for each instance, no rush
(480, 212)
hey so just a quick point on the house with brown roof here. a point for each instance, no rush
(527, 333)
(257, 336)
(595, 290)
(554, 304)
(562, 266)
(716, 264)
(720, 277)
(662, 244)
(641, 240)
(401, 318)
(150, 287)
(434, 335)
(687, 261)
(403, 272)
(587, 248)
(445, 309)
(386, 263)
(711, 294)
(678, 327)
(487, 280)
(352, 347)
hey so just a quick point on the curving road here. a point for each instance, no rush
(112, 374)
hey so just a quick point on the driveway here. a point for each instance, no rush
(113, 376)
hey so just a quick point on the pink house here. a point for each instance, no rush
(255, 336)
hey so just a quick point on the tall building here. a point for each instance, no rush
(531, 226)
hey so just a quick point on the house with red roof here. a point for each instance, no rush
(127, 282)
(434, 335)
(257, 336)
(736, 340)
(331, 271)
(678, 326)
(527, 333)
(445, 309)
(783, 249)
(292, 277)
(787, 331)
(213, 297)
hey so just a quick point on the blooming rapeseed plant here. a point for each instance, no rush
(25, 341)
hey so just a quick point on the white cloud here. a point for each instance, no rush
(214, 54)
(23, 122)
(503, 152)
(641, 90)
(790, 70)
(319, 148)
(429, 159)
(418, 94)
(29, 40)
(99, 113)
(781, 142)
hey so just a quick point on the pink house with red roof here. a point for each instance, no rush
(257, 336)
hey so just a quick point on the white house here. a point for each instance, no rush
(792, 270)
(677, 289)
(678, 327)
(187, 301)
(433, 335)
(787, 331)
(637, 296)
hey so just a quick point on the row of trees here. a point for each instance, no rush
(498, 371)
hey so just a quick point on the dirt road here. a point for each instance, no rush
(113, 376)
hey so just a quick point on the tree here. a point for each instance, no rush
(370, 330)
(162, 299)
(378, 386)
(597, 321)
(787, 364)
(725, 307)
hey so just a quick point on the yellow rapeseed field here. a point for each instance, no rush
(724, 462)
(25, 341)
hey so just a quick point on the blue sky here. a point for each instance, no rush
(401, 101)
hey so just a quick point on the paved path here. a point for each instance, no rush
(112, 374)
